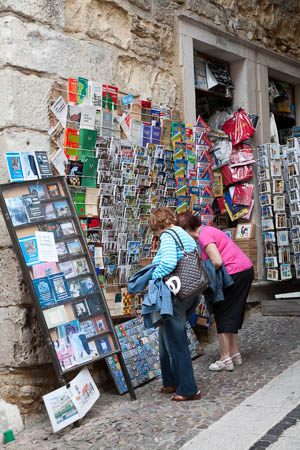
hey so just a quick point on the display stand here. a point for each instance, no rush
(67, 295)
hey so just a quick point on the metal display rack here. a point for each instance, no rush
(19, 230)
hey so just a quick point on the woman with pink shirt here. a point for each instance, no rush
(229, 314)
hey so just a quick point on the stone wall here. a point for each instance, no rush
(130, 43)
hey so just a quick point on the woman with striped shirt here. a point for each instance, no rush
(175, 358)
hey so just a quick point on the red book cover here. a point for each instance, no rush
(109, 97)
(202, 124)
(72, 90)
(146, 111)
(71, 142)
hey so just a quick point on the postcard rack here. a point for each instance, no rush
(66, 293)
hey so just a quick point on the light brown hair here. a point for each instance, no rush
(161, 219)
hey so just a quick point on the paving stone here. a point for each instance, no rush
(268, 345)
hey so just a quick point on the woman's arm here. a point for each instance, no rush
(168, 257)
(214, 255)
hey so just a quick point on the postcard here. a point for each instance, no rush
(80, 266)
(67, 228)
(67, 268)
(49, 211)
(38, 189)
(53, 190)
(61, 249)
(62, 208)
(100, 324)
(74, 247)
(80, 309)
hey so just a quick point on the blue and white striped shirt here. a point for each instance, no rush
(169, 252)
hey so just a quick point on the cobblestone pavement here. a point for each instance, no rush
(268, 344)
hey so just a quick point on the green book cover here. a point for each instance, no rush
(80, 202)
(87, 142)
(82, 89)
(89, 173)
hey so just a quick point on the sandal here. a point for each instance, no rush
(185, 398)
(226, 364)
(168, 389)
(237, 359)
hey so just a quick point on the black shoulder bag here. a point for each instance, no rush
(189, 277)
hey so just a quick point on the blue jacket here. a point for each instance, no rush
(157, 302)
(219, 280)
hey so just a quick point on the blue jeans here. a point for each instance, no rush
(175, 358)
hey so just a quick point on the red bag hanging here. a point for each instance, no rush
(235, 174)
(239, 127)
(241, 154)
(242, 194)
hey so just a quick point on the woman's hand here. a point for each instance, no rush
(214, 255)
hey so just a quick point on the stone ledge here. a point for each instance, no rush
(45, 11)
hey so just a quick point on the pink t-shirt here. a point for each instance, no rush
(233, 258)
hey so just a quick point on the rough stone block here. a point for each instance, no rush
(32, 46)
(16, 141)
(13, 290)
(150, 82)
(51, 13)
(22, 343)
(107, 22)
(25, 103)
(10, 418)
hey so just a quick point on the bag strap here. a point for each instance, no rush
(176, 239)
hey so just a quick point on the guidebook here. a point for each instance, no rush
(68, 404)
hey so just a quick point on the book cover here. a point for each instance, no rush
(165, 138)
(89, 174)
(82, 90)
(67, 268)
(95, 93)
(29, 168)
(53, 190)
(80, 202)
(80, 347)
(59, 287)
(73, 117)
(87, 142)
(72, 90)
(69, 328)
(29, 249)
(74, 172)
(52, 227)
(44, 291)
(14, 165)
(74, 247)
(16, 210)
(88, 117)
(88, 328)
(71, 142)
(80, 266)
(38, 189)
(61, 249)
(62, 208)
(145, 135)
(145, 111)
(87, 286)
(80, 309)
(103, 345)
(74, 288)
(106, 123)
(34, 210)
(100, 324)
(43, 164)
(155, 116)
(109, 97)
(176, 128)
(55, 316)
(44, 269)
(155, 135)
(49, 211)
(94, 305)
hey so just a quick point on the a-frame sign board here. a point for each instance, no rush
(66, 293)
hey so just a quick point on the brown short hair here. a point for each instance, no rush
(188, 221)
(162, 218)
